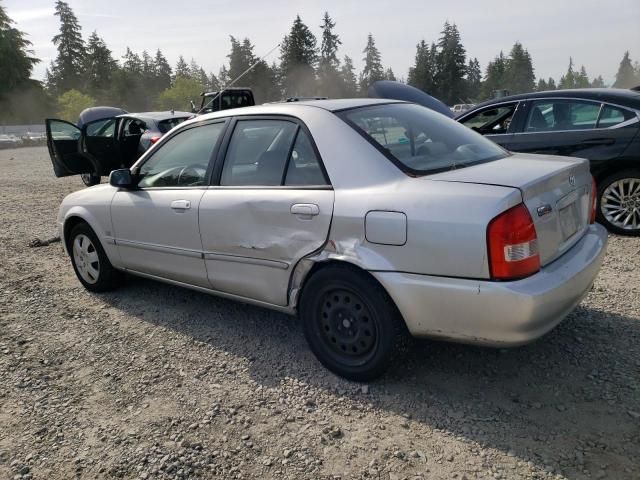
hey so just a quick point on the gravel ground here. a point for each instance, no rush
(152, 381)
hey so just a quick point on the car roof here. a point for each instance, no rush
(157, 116)
(620, 96)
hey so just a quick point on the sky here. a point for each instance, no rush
(595, 33)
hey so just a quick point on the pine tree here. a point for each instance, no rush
(99, 67)
(162, 72)
(519, 71)
(297, 60)
(223, 77)
(181, 70)
(16, 62)
(452, 65)
(66, 72)
(552, 84)
(626, 75)
(132, 63)
(598, 82)
(495, 76)
(389, 75)
(422, 74)
(568, 80)
(542, 85)
(348, 77)
(582, 79)
(372, 70)
(474, 79)
(330, 82)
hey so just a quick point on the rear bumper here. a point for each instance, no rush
(498, 313)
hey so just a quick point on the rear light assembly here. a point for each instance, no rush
(513, 245)
(594, 200)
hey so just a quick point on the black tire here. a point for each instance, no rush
(107, 277)
(350, 322)
(90, 179)
(607, 211)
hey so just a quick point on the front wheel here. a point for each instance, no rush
(350, 323)
(90, 179)
(619, 202)
(89, 260)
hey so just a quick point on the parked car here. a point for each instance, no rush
(229, 98)
(33, 139)
(105, 139)
(459, 108)
(9, 141)
(368, 218)
(601, 125)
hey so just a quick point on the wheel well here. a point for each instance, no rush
(68, 226)
(612, 168)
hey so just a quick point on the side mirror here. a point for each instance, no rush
(121, 178)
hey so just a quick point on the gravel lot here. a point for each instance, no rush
(152, 381)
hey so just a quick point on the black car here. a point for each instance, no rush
(105, 139)
(600, 124)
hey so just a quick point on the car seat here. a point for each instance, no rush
(537, 120)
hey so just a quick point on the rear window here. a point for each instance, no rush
(165, 125)
(421, 141)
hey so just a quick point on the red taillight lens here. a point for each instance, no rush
(513, 245)
(594, 200)
(154, 140)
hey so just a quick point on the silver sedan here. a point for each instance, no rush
(369, 219)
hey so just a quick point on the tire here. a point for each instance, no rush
(619, 202)
(90, 262)
(351, 324)
(90, 179)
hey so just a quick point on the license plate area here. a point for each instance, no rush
(569, 220)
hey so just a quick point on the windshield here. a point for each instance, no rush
(165, 125)
(420, 141)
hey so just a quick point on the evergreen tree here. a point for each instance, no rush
(568, 80)
(132, 63)
(162, 72)
(552, 84)
(261, 78)
(474, 79)
(99, 67)
(181, 70)
(451, 61)
(422, 74)
(330, 82)
(519, 71)
(495, 76)
(66, 72)
(16, 62)
(223, 77)
(372, 70)
(598, 82)
(542, 85)
(582, 79)
(348, 77)
(389, 75)
(297, 60)
(626, 76)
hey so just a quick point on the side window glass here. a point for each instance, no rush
(304, 167)
(182, 161)
(63, 131)
(134, 127)
(258, 152)
(102, 128)
(610, 116)
(492, 121)
(562, 115)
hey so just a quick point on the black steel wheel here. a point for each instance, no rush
(90, 179)
(350, 322)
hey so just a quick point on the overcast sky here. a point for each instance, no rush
(595, 32)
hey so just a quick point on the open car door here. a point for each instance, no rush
(100, 145)
(63, 141)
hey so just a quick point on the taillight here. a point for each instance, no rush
(513, 245)
(154, 139)
(594, 200)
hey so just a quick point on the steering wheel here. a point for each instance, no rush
(198, 171)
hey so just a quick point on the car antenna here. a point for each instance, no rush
(228, 85)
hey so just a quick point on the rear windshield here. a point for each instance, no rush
(421, 141)
(165, 125)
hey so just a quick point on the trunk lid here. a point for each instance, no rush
(554, 189)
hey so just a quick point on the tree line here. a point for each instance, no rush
(85, 72)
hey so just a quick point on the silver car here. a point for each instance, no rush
(370, 219)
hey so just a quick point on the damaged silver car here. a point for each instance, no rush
(370, 219)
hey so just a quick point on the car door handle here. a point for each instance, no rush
(305, 209)
(181, 204)
(599, 141)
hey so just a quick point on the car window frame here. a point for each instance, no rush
(212, 158)
(512, 125)
(224, 148)
(530, 101)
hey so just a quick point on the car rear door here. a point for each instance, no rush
(100, 144)
(577, 128)
(63, 141)
(155, 226)
(271, 204)
(496, 122)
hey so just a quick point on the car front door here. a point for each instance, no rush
(272, 205)
(495, 122)
(63, 141)
(578, 128)
(156, 224)
(99, 142)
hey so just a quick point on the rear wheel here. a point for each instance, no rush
(619, 202)
(90, 262)
(350, 323)
(90, 179)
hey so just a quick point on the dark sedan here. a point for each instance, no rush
(601, 125)
(105, 139)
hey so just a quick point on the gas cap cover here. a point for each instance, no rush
(386, 227)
